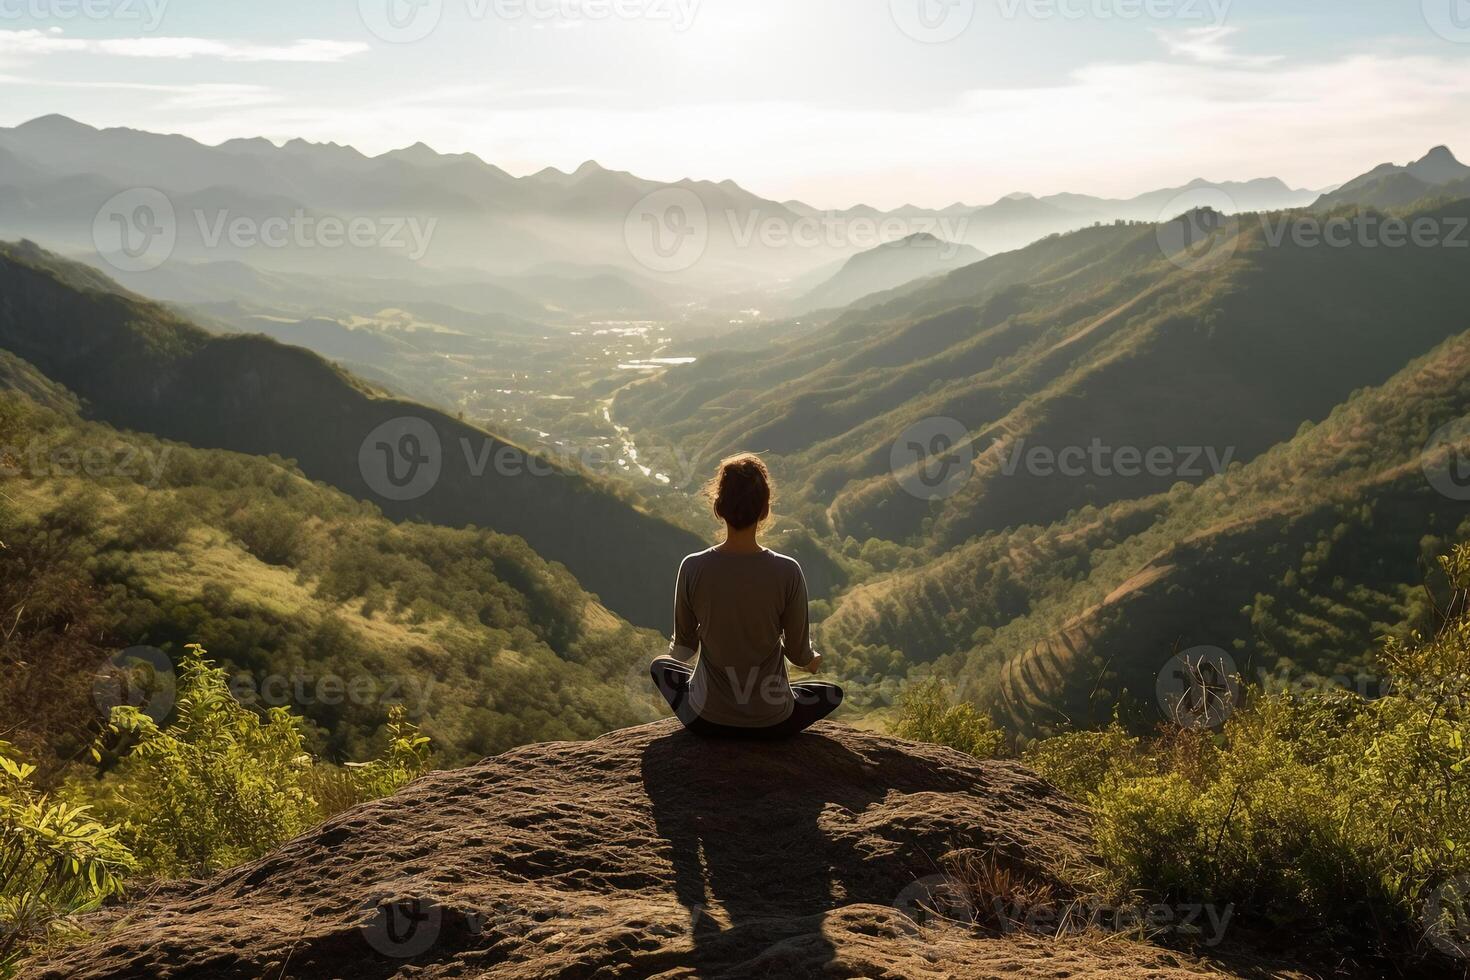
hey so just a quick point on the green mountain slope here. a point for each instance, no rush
(138, 366)
(1090, 338)
(1296, 564)
(114, 539)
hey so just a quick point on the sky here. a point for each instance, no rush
(833, 102)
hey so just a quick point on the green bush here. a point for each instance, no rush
(1320, 811)
(266, 535)
(55, 858)
(219, 786)
(406, 757)
(222, 784)
(928, 712)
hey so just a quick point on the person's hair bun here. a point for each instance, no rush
(740, 493)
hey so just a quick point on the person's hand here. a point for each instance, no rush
(814, 665)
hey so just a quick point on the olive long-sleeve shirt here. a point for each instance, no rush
(745, 615)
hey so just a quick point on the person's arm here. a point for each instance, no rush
(796, 627)
(686, 625)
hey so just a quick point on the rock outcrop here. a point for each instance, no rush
(646, 853)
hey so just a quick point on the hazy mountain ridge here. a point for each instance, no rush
(59, 172)
(887, 267)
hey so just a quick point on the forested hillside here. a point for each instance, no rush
(1101, 336)
(138, 366)
(315, 601)
(1297, 563)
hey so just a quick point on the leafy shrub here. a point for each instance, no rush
(1322, 811)
(55, 858)
(153, 524)
(405, 758)
(218, 786)
(267, 535)
(222, 784)
(928, 712)
(1079, 762)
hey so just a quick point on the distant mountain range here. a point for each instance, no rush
(56, 174)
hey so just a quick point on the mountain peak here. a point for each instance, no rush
(419, 152)
(917, 238)
(251, 144)
(55, 122)
(339, 150)
(1438, 166)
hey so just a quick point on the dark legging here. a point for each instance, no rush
(815, 700)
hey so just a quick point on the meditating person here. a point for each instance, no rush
(742, 609)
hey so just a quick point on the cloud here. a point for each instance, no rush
(49, 42)
(1210, 46)
(204, 96)
(1106, 128)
